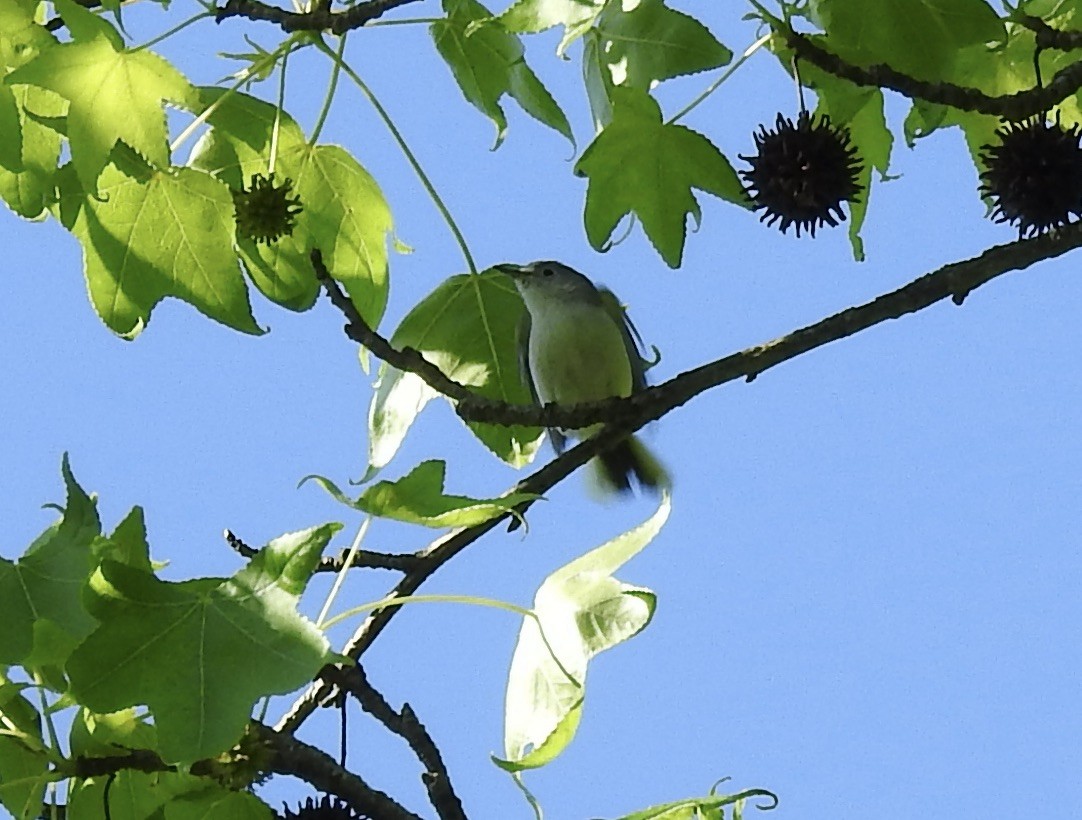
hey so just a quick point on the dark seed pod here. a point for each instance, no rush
(327, 808)
(266, 212)
(801, 174)
(1034, 175)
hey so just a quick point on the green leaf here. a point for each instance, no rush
(418, 498)
(24, 765)
(488, 62)
(887, 32)
(219, 803)
(706, 807)
(580, 610)
(531, 16)
(344, 212)
(200, 653)
(114, 95)
(169, 233)
(29, 152)
(128, 542)
(29, 189)
(466, 327)
(640, 165)
(84, 25)
(645, 42)
(45, 584)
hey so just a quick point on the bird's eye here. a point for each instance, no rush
(547, 271)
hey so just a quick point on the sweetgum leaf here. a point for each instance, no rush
(887, 32)
(114, 95)
(640, 165)
(530, 16)
(29, 152)
(24, 765)
(165, 233)
(44, 585)
(467, 328)
(488, 62)
(201, 652)
(644, 43)
(581, 610)
(418, 498)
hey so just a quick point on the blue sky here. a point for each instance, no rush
(868, 588)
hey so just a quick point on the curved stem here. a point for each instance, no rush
(277, 127)
(425, 181)
(193, 19)
(336, 70)
(287, 47)
(383, 603)
(762, 41)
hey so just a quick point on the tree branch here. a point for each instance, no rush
(320, 18)
(406, 725)
(955, 280)
(367, 559)
(1018, 106)
(1048, 37)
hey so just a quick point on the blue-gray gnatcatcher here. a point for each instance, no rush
(576, 345)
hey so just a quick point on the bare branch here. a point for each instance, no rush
(320, 18)
(1066, 82)
(362, 559)
(406, 725)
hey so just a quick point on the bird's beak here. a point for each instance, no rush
(511, 270)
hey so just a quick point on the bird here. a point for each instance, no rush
(576, 344)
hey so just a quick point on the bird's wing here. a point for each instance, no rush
(559, 441)
(632, 340)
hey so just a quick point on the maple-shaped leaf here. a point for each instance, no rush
(418, 498)
(646, 42)
(467, 328)
(488, 63)
(531, 16)
(640, 165)
(114, 94)
(157, 234)
(44, 585)
(200, 653)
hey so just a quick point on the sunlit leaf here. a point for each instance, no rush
(418, 498)
(169, 233)
(640, 165)
(530, 16)
(467, 328)
(45, 584)
(581, 610)
(645, 42)
(488, 63)
(200, 653)
(114, 94)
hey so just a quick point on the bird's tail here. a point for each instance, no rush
(629, 459)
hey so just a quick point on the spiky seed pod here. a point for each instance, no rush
(266, 212)
(326, 809)
(1034, 175)
(801, 174)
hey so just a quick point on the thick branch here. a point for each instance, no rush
(955, 280)
(293, 757)
(320, 18)
(1048, 37)
(406, 725)
(1015, 107)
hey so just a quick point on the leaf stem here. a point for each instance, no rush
(193, 19)
(286, 47)
(278, 116)
(331, 87)
(425, 181)
(762, 41)
(457, 599)
(356, 545)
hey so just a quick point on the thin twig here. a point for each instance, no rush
(406, 725)
(1066, 82)
(403, 562)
